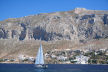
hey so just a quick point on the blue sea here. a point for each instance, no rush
(53, 68)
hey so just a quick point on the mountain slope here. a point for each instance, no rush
(78, 26)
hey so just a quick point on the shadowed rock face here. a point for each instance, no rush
(3, 33)
(77, 25)
(105, 19)
(40, 33)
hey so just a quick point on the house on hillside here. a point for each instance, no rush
(61, 58)
(81, 59)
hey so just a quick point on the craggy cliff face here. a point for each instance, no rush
(78, 25)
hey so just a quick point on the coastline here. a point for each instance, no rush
(51, 64)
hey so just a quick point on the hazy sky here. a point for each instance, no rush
(20, 8)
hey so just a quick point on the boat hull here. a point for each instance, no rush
(41, 66)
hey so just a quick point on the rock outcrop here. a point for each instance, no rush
(79, 24)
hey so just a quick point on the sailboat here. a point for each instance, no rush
(39, 62)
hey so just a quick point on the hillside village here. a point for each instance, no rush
(66, 56)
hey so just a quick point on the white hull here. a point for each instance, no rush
(41, 66)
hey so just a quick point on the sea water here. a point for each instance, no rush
(53, 68)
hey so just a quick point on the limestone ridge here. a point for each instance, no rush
(79, 24)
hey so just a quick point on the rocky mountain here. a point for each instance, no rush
(79, 26)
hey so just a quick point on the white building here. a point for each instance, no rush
(53, 56)
(31, 58)
(61, 58)
(106, 52)
(81, 59)
(47, 55)
(22, 57)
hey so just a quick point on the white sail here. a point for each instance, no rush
(39, 57)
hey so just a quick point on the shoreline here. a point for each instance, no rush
(55, 64)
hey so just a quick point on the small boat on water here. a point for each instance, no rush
(39, 62)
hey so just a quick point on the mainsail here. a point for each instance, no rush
(39, 57)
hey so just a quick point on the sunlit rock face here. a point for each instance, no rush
(79, 24)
